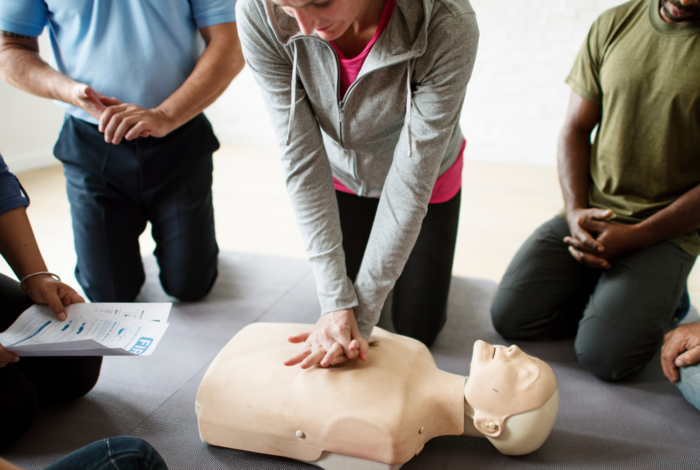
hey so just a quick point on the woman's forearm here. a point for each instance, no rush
(18, 245)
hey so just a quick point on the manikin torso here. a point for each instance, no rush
(381, 411)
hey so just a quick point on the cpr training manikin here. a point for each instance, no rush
(373, 415)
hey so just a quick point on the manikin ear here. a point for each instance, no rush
(488, 425)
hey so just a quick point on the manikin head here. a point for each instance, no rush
(512, 398)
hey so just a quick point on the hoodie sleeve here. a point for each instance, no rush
(440, 81)
(306, 166)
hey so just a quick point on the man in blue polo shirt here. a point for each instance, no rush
(133, 77)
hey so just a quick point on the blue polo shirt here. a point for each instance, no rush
(12, 194)
(138, 51)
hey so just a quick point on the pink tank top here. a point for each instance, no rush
(448, 184)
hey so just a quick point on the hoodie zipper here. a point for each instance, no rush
(341, 103)
(341, 110)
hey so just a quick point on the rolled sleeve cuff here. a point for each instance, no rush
(10, 204)
(589, 95)
(21, 28)
(215, 18)
(335, 290)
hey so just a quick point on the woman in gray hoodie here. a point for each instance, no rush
(365, 98)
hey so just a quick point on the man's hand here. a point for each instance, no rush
(583, 246)
(334, 340)
(45, 290)
(7, 357)
(130, 121)
(90, 100)
(681, 348)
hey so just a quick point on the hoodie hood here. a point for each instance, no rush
(407, 33)
(408, 28)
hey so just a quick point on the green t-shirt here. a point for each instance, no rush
(646, 75)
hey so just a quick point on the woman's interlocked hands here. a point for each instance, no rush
(334, 340)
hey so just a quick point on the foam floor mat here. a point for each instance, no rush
(644, 423)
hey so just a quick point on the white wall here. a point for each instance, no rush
(29, 125)
(513, 112)
(517, 96)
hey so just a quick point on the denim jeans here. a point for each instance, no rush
(689, 385)
(117, 453)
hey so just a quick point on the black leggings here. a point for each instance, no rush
(36, 381)
(419, 303)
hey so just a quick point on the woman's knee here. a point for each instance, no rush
(83, 380)
(61, 379)
(18, 405)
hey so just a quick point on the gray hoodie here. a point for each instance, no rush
(395, 131)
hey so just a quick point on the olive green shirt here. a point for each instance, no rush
(646, 75)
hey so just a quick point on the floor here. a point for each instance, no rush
(501, 205)
(644, 423)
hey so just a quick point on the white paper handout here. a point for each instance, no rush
(99, 329)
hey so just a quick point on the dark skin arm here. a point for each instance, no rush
(5, 465)
(573, 163)
(18, 247)
(594, 241)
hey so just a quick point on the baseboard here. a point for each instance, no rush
(30, 161)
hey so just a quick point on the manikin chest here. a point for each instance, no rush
(373, 415)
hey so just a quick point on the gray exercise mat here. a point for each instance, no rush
(643, 423)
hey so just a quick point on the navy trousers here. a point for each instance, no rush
(114, 190)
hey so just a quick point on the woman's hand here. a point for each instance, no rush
(7, 357)
(45, 290)
(334, 340)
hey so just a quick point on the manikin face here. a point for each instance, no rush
(504, 382)
(329, 18)
(680, 11)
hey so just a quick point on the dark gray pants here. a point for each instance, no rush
(618, 316)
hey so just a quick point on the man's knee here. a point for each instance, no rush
(507, 314)
(98, 287)
(611, 353)
(189, 285)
